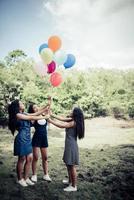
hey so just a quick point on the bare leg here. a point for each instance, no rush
(44, 160)
(73, 175)
(27, 165)
(19, 167)
(69, 174)
(35, 159)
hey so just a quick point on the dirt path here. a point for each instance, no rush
(99, 132)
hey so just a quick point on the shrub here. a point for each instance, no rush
(131, 110)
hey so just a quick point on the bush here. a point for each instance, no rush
(131, 110)
(118, 112)
(97, 110)
(117, 109)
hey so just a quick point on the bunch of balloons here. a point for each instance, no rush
(52, 57)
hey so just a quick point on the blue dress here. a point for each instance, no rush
(22, 143)
(40, 136)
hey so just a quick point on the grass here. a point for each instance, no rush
(106, 170)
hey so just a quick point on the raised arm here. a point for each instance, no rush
(47, 106)
(62, 124)
(49, 101)
(30, 117)
(64, 119)
(41, 111)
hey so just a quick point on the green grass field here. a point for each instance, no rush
(106, 170)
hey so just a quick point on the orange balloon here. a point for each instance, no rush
(56, 79)
(54, 43)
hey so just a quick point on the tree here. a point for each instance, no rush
(14, 57)
(99, 92)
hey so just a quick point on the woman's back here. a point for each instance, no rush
(71, 154)
(71, 134)
(23, 124)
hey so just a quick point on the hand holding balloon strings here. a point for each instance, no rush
(49, 102)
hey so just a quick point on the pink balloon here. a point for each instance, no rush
(51, 67)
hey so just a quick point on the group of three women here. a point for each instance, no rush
(28, 151)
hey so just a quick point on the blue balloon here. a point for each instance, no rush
(43, 46)
(70, 61)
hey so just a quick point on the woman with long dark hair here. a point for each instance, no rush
(39, 142)
(75, 128)
(20, 121)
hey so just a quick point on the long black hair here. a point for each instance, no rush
(78, 117)
(13, 109)
(30, 109)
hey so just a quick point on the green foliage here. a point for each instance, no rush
(117, 109)
(131, 110)
(14, 56)
(99, 92)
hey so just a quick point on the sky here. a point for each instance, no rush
(100, 33)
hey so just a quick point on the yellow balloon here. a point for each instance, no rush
(47, 55)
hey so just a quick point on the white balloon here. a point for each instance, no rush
(60, 57)
(40, 68)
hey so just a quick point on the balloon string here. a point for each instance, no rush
(52, 91)
(52, 94)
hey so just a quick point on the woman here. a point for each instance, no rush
(74, 126)
(39, 142)
(20, 121)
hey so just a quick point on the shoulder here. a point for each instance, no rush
(22, 116)
(70, 125)
(73, 123)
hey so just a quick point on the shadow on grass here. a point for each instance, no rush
(103, 174)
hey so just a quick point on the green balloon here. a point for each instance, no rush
(47, 55)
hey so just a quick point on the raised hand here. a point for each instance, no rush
(47, 116)
(49, 100)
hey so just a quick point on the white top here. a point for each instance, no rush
(41, 121)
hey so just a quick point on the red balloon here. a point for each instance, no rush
(56, 79)
(51, 67)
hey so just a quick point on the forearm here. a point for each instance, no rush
(31, 117)
(56, 123)
(38, 117)
(47, 106)
(61, 124)
(41, 111)
(64, 119)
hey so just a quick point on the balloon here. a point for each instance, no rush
(70, 61)
(54, 43)
(47, 55)
(43, 46)
(51, 67)
(40, 68)
(56, 79)
(60, 57)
